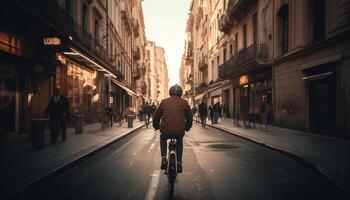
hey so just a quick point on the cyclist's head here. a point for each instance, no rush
(175, 90)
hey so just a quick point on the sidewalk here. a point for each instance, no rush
(21, 165)
(330, 155)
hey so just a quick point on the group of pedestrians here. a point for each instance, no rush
(147, 111)
(214, 112)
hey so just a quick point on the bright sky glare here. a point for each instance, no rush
(165, 22)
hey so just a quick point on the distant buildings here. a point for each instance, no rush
(293, 54)
(94, 50)
(157, 73)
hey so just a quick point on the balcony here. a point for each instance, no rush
(201, 88)
(136, 29)
(225, 23)
(51, 12)
(203, 65)
(136, 54)
(189, 79)
(125, 16)
(237, 9)
(188, 94)
(136, 72)
(247, 59)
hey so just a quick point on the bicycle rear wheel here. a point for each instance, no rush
(172, 174)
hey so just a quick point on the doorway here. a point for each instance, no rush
(322, 105)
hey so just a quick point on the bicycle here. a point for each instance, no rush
(171, 170)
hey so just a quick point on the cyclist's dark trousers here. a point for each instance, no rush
(179, 145)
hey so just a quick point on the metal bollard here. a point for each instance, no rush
(79, 124)
(130, 121)
(38, 133)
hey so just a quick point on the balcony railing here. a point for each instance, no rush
(201, 88)
(136, 72)
(136, 53)
(238, 8)
(51, 12)
(225, 23)
(125, 15)
(189, 79)
(254, 54)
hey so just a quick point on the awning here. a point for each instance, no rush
(129, 91)
(77, 55)
(317, 76)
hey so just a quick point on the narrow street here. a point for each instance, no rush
(217, 165)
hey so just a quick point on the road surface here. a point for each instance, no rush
(217, 165)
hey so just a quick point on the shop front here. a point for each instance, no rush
(250, 91)
(26, 82)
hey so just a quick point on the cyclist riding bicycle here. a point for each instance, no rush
(173, 117)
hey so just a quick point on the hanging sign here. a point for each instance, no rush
(244, 80)
(52, 41)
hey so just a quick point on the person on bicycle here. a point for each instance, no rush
(173, 117)
(203, 111)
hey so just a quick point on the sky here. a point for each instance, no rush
(165, 23)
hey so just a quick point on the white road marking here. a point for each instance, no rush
(153, 186)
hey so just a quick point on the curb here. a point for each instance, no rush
(310, 167)
(94, 150)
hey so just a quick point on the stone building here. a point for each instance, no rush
(311, 65)
(157, 73)
(291, 54)
(92, 49)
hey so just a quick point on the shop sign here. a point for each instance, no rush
(52, 41)
(244, 80)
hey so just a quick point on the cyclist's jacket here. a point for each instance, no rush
(175, 116)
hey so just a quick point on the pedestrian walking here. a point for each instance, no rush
(263, 114)
(110, 113)
(58, 110)
(153, 109)
(211, 113)
(203, 111)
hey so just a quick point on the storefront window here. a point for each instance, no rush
(82, 91)
(7, 100)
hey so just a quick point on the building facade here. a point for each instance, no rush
(291, 54)
(94, 50)
(157, 73)
(311, 59)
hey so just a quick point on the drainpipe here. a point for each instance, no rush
(272, 64)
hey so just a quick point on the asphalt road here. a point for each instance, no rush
(217, 165)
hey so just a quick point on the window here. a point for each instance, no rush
(319, 14)
(212, 69)
(231, 49)
(224, 55)
(97, 31)
(236, 42)
(85, 16)
(245, 35)
(284, 18)
(70, 7)
(255, 28)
